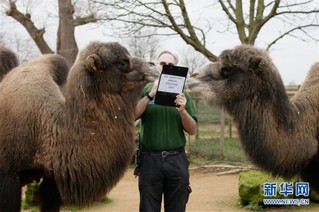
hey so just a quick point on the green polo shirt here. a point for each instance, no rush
(161, 126)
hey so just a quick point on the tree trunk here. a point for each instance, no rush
(66, 43)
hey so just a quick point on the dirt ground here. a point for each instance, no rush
(210, 193)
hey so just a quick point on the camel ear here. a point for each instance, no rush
(255, 63)
(93, 62)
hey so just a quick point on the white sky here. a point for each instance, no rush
(292, 57)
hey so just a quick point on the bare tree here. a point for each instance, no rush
(24, 47)
(245, 18)
(192, 59)
(295, 15)
(66, 43)
(143, 46)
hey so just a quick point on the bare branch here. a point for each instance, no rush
(226, 10)
(289, 32)
(192, 38)
(35, 33)
(79, 21)
(170, 17)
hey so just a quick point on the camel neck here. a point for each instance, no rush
(271, 136)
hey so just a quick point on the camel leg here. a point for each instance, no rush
(311, 174)
(10, 193)
(49, 196)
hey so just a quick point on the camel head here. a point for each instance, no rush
(139, 65)
(113, 60)
(242, 73)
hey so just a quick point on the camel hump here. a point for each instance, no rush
(57, 67)
(45, 66)
(8, 60)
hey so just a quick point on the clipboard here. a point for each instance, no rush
(171, 83)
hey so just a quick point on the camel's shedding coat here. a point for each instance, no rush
(80, 144)
(279, 135)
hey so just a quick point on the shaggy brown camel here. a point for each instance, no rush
(79, 143)
(280, 135)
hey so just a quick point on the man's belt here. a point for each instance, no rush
(165, 153)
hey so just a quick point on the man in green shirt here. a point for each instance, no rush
(164, 165)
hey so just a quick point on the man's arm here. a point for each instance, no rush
(189, 124)
(142, 103)
(140, 107)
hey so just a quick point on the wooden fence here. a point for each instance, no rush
(214, 115)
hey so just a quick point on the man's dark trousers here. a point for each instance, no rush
(164, 175)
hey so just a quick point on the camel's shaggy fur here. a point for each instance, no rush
(279, 135)
(8, 61)
(79, 144)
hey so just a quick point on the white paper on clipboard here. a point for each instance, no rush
(171, 83)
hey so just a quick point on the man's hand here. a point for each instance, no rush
(180, 102)
(152, 93)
